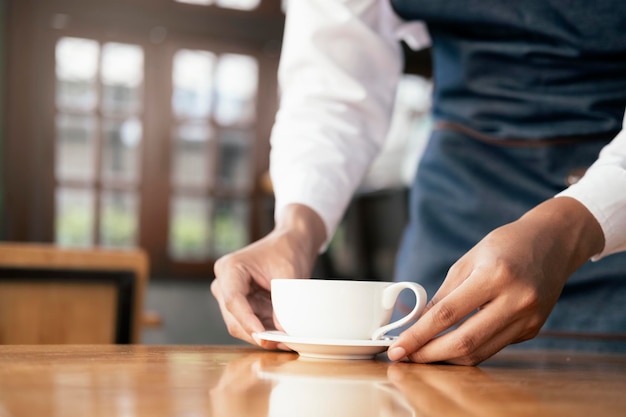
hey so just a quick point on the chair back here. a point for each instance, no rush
(53, 295)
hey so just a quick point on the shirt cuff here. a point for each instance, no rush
(601, 191)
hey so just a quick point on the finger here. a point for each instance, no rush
(464, 340)
(455, 276)
(268, 344)
(518, 331)
(231, 289)
(463, 300)
(234, 326)
(235, 329)
(499, 342)
(261, 303)
(470, 341)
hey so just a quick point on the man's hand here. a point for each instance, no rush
(242, 279)
(503, 289)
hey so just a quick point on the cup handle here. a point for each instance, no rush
(390, 295)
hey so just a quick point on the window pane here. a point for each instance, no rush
(236, 85)
(230, 226)
(191, 163)
(122, 78)
(189, 228)
(75, 147)
(120, 151)
(193, 83)
(76, 68)
(118, 225)
(235, 159)
(74, 217)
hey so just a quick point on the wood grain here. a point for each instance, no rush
(223, 381)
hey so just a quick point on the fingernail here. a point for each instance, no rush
(256, 338)
(396, 353)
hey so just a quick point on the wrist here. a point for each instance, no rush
(572, 225)
(304, 225)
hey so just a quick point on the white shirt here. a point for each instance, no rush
(340, 65)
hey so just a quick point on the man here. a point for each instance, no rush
(526, 93)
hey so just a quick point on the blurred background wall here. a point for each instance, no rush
(145, 123)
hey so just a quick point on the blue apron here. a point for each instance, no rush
(525, 94)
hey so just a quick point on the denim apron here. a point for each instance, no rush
(526, 94)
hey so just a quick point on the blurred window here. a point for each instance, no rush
(229, 223)
(190, 228)
(122, 78)
(99, 101)
(118, 224)
(214, 111)
(77, 84)
(75, 147)
(74, 217)
(193, 83)
(234, 158)
(191, 164)
(236, 80)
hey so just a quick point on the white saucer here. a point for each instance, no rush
(329, 348)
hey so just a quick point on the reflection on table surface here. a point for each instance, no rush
(245, 382)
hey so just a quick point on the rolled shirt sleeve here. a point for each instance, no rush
(340, 65)
(602, 190)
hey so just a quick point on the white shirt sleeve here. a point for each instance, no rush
(603, 191)
(339, 68)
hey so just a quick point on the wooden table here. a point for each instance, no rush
(222, 381)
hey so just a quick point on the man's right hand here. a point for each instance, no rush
(242, 279)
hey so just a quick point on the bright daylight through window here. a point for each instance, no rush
(99, 100)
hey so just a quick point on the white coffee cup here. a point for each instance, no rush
(339, 309)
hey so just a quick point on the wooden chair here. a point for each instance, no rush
(52, 295)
